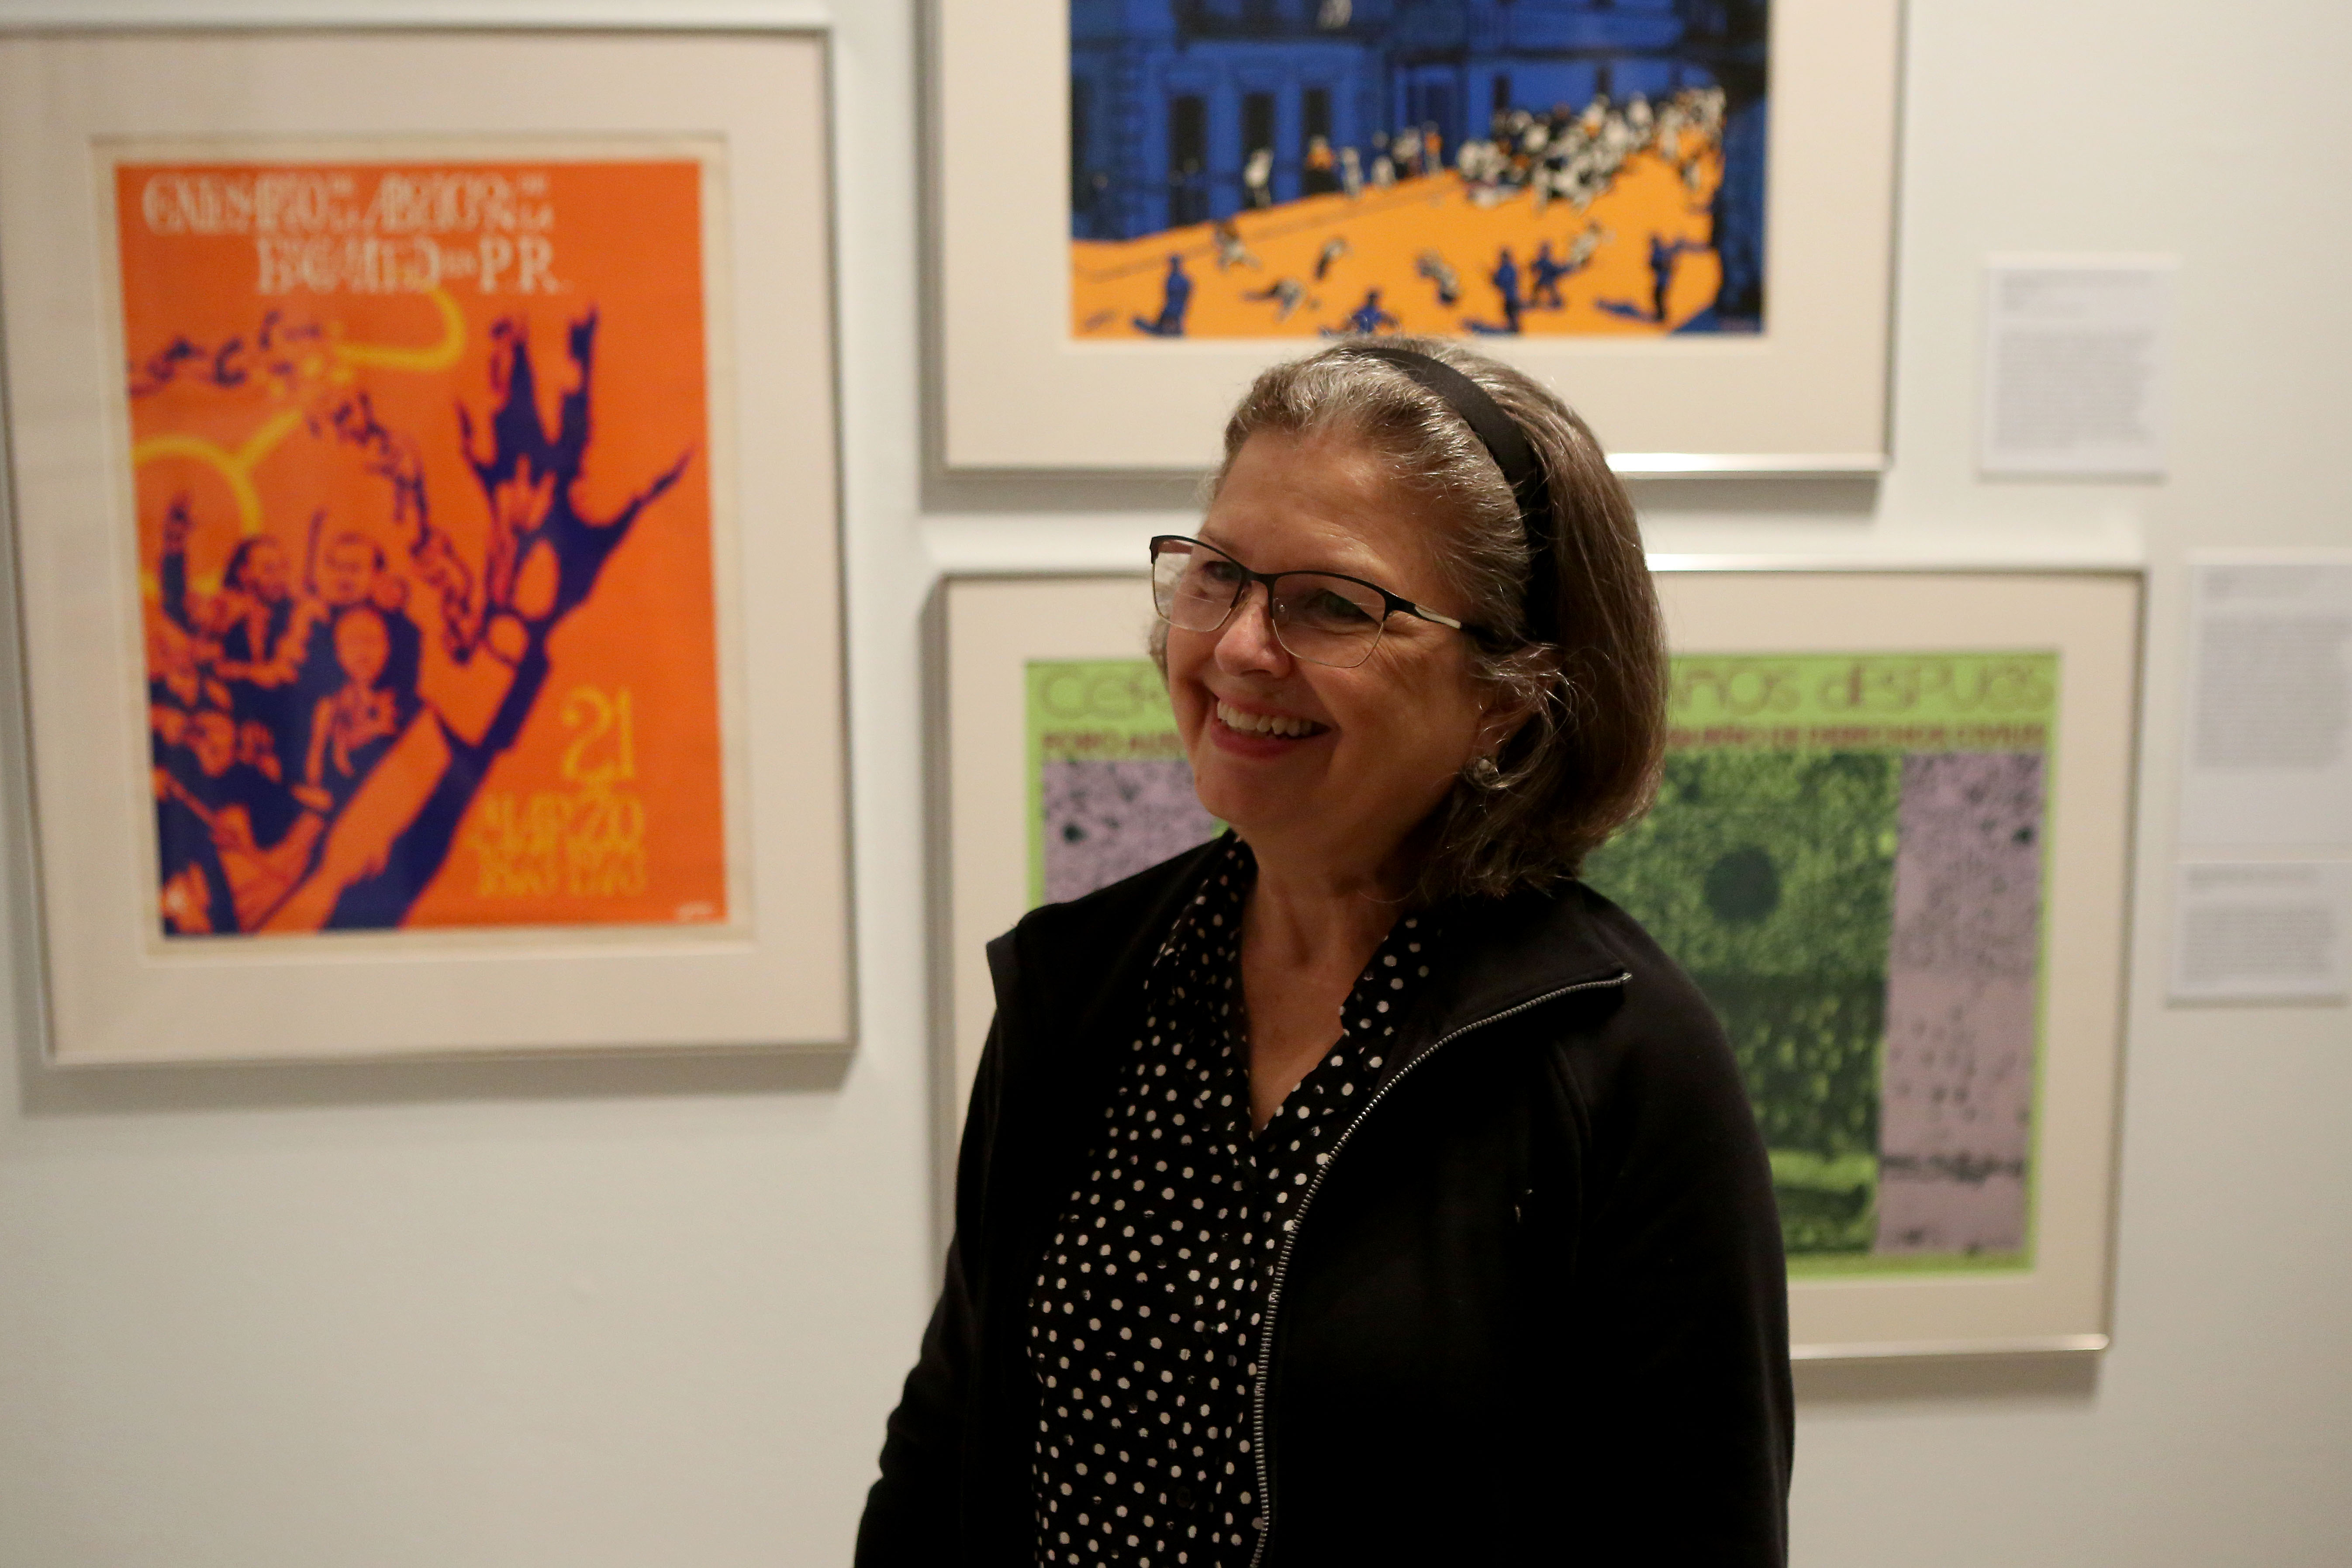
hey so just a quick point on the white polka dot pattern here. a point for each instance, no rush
(1144, 1326)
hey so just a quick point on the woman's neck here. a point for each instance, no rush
(1309, 916)
(1307, 931)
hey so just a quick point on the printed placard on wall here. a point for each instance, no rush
(422, 471)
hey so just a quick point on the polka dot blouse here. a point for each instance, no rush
(1146, 1324)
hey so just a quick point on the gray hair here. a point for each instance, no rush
(1586, 762)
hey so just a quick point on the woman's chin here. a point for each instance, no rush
(1301, 781)
(1250, 813)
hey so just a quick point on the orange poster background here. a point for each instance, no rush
(265, 337)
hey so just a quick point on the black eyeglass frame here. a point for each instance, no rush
(1391, 604)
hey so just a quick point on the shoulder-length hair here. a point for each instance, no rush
(1585, 764)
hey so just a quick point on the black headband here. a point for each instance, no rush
(1514, 454)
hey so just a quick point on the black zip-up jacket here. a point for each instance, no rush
(1534, 1311)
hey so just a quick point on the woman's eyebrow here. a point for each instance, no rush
(1327, 566)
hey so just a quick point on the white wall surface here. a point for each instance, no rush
(631, 1311)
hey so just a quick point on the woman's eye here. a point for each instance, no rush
(1327, 606)
(1220, 572)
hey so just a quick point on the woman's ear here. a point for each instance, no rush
(1507, 706)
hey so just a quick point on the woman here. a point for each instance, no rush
(1359, 1187)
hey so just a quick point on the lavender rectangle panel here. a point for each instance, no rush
(1956, 1120)
(1105, 820)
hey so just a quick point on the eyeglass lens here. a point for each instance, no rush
(1317, 617)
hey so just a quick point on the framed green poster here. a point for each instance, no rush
(1890, 846)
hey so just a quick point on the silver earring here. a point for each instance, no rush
(1486, 773)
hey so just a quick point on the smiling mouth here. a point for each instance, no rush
(1279, 724)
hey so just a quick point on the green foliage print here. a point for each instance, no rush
(1769, 876)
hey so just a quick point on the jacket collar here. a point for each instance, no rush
(1501, 953)
(1087, 959)
(1506, 954)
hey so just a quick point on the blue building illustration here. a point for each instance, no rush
(1173, 101)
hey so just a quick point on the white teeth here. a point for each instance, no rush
(1264, 723)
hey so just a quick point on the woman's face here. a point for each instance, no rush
(1384, 741)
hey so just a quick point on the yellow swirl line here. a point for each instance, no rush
(235, 468)
(440, 356)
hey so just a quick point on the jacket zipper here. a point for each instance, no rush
(1265, 1520)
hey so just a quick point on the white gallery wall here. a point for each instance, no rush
(636, 1310)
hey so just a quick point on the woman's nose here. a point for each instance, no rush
(1247, 641)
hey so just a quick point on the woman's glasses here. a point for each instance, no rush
(1322, 618)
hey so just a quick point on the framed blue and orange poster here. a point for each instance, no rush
(408, 521)
(1679, 213)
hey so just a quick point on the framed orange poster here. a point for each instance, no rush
(408, 519)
